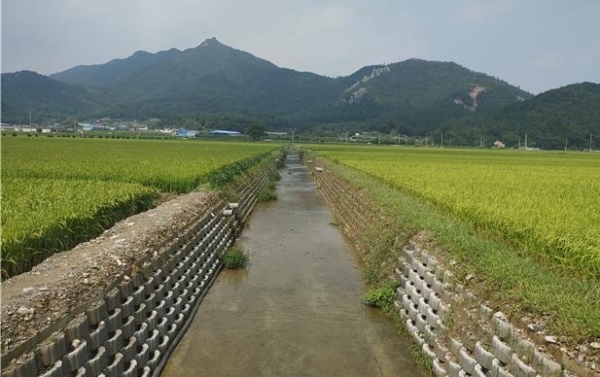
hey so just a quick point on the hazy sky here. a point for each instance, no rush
(535, 44)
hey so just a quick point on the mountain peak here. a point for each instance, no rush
(210, 42)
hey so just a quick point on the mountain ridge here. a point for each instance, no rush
(214, 80)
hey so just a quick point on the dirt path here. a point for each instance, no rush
(296, 310)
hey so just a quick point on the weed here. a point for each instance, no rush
(382, 298)
(275, 176)
(267, 193)
(422, 359)
(235, 258)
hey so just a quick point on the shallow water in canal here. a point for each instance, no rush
(296, 310)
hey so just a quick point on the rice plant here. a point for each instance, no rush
(545, 203)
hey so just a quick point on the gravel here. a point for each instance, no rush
(67, 280)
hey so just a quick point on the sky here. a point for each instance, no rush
(534, 44)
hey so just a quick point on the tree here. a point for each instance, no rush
(256, 131)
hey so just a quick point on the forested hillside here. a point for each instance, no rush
(214, 85)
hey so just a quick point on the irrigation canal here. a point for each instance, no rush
(296, 310)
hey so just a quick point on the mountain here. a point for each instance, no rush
(569, 114)
(216, 84)
(426, 93)
(210, 78)
(100, 75)
(27, 91)
(214, 78)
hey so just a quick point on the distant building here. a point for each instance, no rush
(224, 133)
(498, 144)
(182, 132)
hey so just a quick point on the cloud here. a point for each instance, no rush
(480, 12)
(509, 38)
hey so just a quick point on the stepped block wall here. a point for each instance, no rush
(428, 296)
(132, 330)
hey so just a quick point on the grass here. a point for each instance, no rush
(234, 259)
(268, 193)
(57, 192)
(541, 203)
(42, 216)
(421, 358)
(506, 275)
(166, 165)
(380, 297)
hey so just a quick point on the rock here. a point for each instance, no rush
(28, 290)
(469, 277)
(86, 281)
(595, 345)
(550, 339)
(25, 311)
(535, 327)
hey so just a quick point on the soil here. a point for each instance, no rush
(62, 284)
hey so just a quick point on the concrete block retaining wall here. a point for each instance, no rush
(493, 347)
(133, 329)
(427, 294)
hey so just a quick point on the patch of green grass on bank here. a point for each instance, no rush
(381, 297)
(268, 192)
(234, 259)
(506, 277)
(230, 191)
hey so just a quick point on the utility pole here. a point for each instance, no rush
(566, 143)
(590, 141)
(426, 140)
(346, 137)
(519, 146)
(525, 141)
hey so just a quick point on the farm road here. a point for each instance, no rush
(296, 310)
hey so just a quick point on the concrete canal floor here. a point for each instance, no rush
(296, 310)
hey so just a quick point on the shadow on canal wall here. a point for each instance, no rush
(134, 327)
